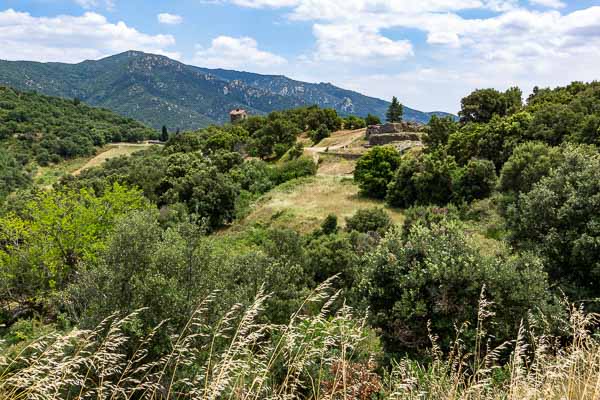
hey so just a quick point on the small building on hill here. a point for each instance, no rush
(238, 115)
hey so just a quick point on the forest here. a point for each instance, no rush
(129, 281)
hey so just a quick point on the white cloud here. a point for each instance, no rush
(352, 43)
(237, 53)
(89, 4)
(169, 19)
(72, 38)
(548, 3)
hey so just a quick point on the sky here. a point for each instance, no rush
(428, 53)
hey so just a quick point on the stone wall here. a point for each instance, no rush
(399, 127)
(387, 138)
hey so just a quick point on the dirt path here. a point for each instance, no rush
(115, 150)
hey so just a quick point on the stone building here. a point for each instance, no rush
(238, 115)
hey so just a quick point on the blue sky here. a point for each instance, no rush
(430, 53)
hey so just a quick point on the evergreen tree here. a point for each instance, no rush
(395, 111)
(164, 136)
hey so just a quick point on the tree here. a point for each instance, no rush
(476, 180)
(421, 180)
(369, 220)
(429, 283)
(372, 120)
(481, 105)
(329, 225)
(164, 136)
(395, 111)
(529, 163)
(321, 133)
(375, 169)
(438, 131)
(559, 217)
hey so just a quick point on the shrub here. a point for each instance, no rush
(430, 282)
(474, 181)
(369, 220)
(330, 225)
(529, 163)
(319, 134)
(421, 180)
(372, 120)
(298, 168)
(375, 170)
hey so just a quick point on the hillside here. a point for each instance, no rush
(38, 129)
(160, 91)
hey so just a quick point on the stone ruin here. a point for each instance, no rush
(403, 135)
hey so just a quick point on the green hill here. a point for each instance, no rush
(38, 129)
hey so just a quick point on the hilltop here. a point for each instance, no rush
(159, 91)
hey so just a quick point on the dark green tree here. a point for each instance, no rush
(164, 135)
(372, 120)
(395, 111)
(476, 180)
(375, 170)
(438, 131)
(369, 220)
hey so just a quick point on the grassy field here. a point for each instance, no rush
(302, 205)
(47, 176)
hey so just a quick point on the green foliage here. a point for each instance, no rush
(395, 111)
(293, 169)
(352, 122)
(275, 138)
(422, 179)
(372, 120)
(164, 135)
(201, 186)
(438, 131)
(369, 220)
(427, 216)
(482, 105)
(321, 133)
(476, 180)
(529, 163)
(12, 174)
(375, 169)
(329, 225)
(435, 276)
(559, 217)
(42, 248)
(49, 129)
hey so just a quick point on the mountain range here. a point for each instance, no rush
(160, 91)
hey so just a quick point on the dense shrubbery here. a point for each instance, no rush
(375, 170)
(48, 129)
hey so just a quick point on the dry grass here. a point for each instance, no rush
(112, 151)
(304, 205)
(311, 357)
(332, 165)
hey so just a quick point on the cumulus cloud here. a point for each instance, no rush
(353, 43)
(237, 53)
(72, 38)
(169, 19)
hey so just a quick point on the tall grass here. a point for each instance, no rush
(314, 356)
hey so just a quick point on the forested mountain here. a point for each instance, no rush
(159, 91)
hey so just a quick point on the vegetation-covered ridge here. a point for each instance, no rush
(36, 130)
(160, 91)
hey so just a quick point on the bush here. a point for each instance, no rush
(372, 120)
(427, 216)
(430, 282)
(321, 133)
(375, 170)
(298, 168)
(421, 180)
(369, 220)
(329, 225)
(474, 181)
(529, 163)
